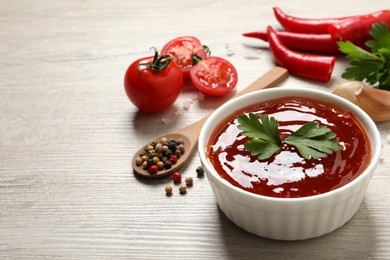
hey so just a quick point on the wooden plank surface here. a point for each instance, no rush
(68, 131)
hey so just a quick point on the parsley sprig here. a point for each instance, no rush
(311, 140)
(374, 66)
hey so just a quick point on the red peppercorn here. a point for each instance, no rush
(176, 177)
(153, 168)
(173, 158)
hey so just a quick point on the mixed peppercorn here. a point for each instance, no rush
(160, 155)
(188, 182)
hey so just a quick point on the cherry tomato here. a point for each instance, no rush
(153, 83)
(214, 76)
(183, 49)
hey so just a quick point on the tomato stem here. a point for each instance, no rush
(158, 63)
(207, 50)
(196, 58)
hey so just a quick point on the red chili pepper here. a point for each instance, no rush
(309, 66)
(323, 43)
(305, 25)
(357, 29)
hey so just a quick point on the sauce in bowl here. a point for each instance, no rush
(287, 174)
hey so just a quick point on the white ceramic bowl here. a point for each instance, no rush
(288, 218)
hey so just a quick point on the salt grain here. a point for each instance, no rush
(201, 96)
(187, 103)
(230, 52)
(186, 106)
(166, 120)
(178, 113)
(251, 57)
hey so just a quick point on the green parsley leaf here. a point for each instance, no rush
(374, 66)
(311, 140)
(263, 149)
(354, 52)
(362, 70)
(381, 34)
(266, 128)
(265, 131)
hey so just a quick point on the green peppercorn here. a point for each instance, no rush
(151, 154)
(178, 154)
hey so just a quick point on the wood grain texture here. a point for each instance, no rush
(67, 190)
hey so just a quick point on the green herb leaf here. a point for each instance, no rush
(381, 34)
(354, 52)
(374, 66)
(266, 128)
(263, 149)
(265, 131)
(363, 70)
(313, 141)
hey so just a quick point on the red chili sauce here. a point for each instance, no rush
(286, 174)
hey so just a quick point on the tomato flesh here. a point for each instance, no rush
(183, 48)
(214, 76)
(153, 91)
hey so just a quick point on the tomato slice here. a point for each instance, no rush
(214, 76)
(183, 48)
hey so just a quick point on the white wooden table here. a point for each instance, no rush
(68, 132)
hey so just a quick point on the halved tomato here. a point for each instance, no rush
(183, 49)
(214, 76)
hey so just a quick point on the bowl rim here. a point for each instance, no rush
(366, 121)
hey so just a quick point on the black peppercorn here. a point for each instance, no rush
(172, 146)
(167, 164)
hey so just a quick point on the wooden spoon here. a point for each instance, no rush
(189, 134)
